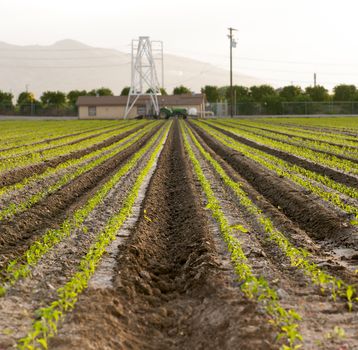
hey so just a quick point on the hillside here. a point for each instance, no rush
(69, 64)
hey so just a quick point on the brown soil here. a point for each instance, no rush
(16, 175)
(321, 253)
(60, 263)
(298, 206)
(171, 289)
(19, 232)
(331, 173)
(295, 290)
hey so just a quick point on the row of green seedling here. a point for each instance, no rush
(327, 124)
(16, 208)
(21, 267)
(39, 157)
(12, 136)
(338, 140)
(314, 145)
(73, 137)
(67, 296)
(252, 286)
(293, 173)
(324, 180)
(5, 190)
(298, 257)
(319, 158)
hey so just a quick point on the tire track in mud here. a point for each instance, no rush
(16, 175)
(320, 222)
(172, 288)
(19, 232)
(335, 175)
(18, 306)
(320, 314)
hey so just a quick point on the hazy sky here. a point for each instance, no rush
(279, 41)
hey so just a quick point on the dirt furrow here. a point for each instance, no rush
(172, 289)
(322, 223)
(56, 267)
(16, 175)
(20, 232)
(335, 175)
(294, 289)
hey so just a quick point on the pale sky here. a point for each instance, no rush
(279, 41)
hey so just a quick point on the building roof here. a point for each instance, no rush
(168, 100)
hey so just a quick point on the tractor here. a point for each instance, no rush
(166, 113)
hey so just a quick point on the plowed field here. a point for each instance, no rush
(199, 234)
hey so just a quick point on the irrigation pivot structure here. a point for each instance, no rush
(144, 77)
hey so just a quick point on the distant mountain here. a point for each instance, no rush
(69, 64)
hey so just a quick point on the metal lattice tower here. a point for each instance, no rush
(144, 81)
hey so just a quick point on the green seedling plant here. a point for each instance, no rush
(56, 142)
(16, 208)
(7, 164)
(62, 166)
(314, 145)
(323, 159)
(270, 163)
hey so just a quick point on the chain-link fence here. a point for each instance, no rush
(222, 109)
(33, 109)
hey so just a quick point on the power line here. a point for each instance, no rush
(59, 59)
(64, 67)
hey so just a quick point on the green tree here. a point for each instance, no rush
(290, 92)
(211, 92)
(272, 104)
(181, 90)
(318, 93)
(103, 91)
(163, 92)
(344, 92)
(6, 100)
(241, 94)
(26, 103)
(25, 98)
(259, 93)
(125, 91)
(73, 95)
(53, 99)
(222, 93)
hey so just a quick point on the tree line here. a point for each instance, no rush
(59, 101)
(265, 94)
(290, 93)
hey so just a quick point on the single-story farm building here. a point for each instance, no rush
(114, 107)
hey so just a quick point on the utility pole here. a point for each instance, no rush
(232, 44)
(314, 79)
